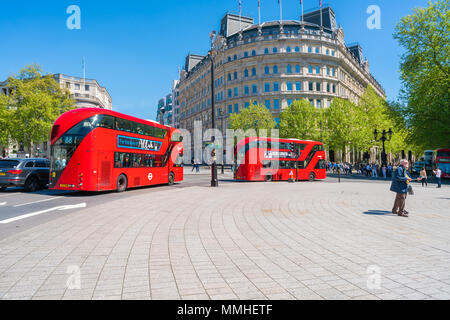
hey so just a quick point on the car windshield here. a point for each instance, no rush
(9, 163)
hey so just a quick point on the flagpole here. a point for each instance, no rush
(321, 18)
(259, 12)
(84, 73)
(240, 15)
(281, 11)
(301, 1)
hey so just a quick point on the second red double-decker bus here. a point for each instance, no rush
(267, 159)
(97, 150)
(443, 162)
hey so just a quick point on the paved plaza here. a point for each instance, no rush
(321, 240)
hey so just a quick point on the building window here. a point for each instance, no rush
(68, 85)
(255, 88)
(317, 50)
(317, 70)
(229, 59)
(289, 86)
(334, 72)
(297, 68)
(266, 51)
(275, 50)
(334, 88)
(246, 90)
(332, 53)
(319, 103)
(245, 54)
(328, 87)
(289, 68)
(289, 102)
(253, 53)
(297, 49)
(298, 86)
(267, 87)
(288, 49)
(328, 52)
(236, 92)
(77, 86)
(254, 72)
(235, 75)
(310, 69)
(312, 102)
(318, 86)
(275, 69)
(235, 57)
(267, 104)
(236, 108)
(276, 87)
(311, 86)
(328, 71)
(230, 109)
(266, 70)
(86, 87)
(246, 73)
(276, 104)
(309, 49)
(229, 77)
(229, 93)
(246, 105)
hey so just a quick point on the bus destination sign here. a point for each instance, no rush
(137, 143)
(278, 155)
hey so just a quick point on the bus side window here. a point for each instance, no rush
(107, 122)
(148, 131)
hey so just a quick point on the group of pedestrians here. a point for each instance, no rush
(344, 167)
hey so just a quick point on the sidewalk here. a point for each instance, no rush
(239, 241)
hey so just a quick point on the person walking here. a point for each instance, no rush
(383, 169)
(423, 175)
(399, 185)
(438, 174)
(374, 171)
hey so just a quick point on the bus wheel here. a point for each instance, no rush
(3, 188)
(312, 176)
(122, 183)
(171, 179)
(268, 178)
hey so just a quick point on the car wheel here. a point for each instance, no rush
(171, 179)
(312, 176)
(3, 188)
(122, 183)
(268, 178)
(32, 184)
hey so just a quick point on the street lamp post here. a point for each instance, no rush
(214, 181)
(385, 136)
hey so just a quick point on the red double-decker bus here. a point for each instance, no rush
(443, 162)
(97, 150)
(267, 159)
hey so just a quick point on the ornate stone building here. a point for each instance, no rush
(273, 64)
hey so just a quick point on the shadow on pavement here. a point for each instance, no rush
(378, 212)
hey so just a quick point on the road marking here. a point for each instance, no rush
(25, 204)
(60, 208)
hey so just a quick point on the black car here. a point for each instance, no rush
(33, 174)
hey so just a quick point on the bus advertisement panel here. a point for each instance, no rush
(267, 159)
(443, 162)
(97, 150)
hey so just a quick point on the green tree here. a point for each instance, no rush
(33, 106)
(425, 72)
(256, 117)
(5, 120)
(301, 120)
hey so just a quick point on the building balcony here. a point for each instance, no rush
(88, 99)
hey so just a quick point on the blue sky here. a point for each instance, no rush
(134, 48)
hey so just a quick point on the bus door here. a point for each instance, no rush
(104, 170)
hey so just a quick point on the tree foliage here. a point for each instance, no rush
(301, 120)
(256, 117)
(425, 72)
(36, 100)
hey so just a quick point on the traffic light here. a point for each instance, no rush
(292, 147)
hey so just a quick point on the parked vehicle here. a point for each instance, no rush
(418, 166)
(430, 159)
(32, 174)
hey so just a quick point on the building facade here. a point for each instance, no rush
(87, 93)
(273, 64)
(164, 113)
(176, 104)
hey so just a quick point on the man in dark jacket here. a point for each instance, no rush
(400, 185)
